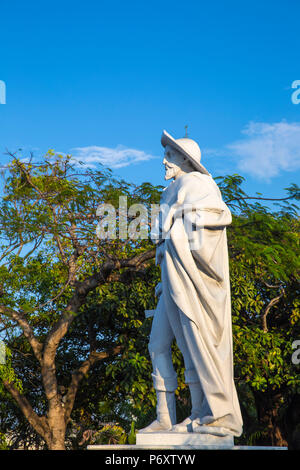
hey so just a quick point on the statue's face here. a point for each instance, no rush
(173, 162)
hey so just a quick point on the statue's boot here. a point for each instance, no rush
(219, 426)
(185, 426)
(166, 413)
(197, 398)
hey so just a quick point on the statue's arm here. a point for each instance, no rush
(208, 217)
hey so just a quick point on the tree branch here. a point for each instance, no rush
(27, 330)
(82, 289)
(259, 198)
(268, 308)
(78, 375)
(138, 259)
(39, 423)
(60, 329)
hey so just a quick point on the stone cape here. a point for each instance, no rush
(194, 269)
(207, 264)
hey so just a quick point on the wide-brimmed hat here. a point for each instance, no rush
(187, 147)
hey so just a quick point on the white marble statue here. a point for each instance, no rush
(194, 304)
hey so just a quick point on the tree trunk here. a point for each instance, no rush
(292, 422)
(57, 441)
(268, 405)
(57, 427)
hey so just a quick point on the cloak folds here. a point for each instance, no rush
(193, 256)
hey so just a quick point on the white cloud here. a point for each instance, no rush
(111, 157)
(268, 149)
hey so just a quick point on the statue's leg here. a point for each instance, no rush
(165, 413)
(196, 392)
(200, 406)
(164, 376)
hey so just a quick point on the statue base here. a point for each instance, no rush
(191, 439)
(165, 441)
(134, 447)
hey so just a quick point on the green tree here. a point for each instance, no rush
(51, 264)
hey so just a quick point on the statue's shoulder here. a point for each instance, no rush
(195, 185)
(194, 178)
(205, 180)
(200, 176)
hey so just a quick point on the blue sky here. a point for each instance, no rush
(102, 80)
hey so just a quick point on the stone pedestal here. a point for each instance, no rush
(135, 447)
(184, 439)
(165, 441)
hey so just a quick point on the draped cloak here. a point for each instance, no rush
(192, 251)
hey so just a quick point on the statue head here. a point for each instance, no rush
(186, 150)
(176, 164)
